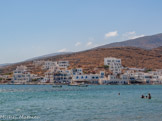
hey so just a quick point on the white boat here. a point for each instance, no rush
(79, 85)
(73, 85)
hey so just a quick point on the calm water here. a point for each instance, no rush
(93, 103)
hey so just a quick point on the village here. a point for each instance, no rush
(57, 72)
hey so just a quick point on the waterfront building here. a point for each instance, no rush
(151, 77)
(5, 78)
(21, 75)
(77, 71)
(86, 78)
(102, 74)
(57, 74)
(114, 64)
(48, 78)
(62, 76)
(114, 79)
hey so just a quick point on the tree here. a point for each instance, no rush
(106, 67)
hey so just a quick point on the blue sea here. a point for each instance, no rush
(92, 103)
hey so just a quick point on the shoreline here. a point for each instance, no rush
(87, 84)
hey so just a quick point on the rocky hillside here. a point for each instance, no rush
(131, 57)
(146, 42)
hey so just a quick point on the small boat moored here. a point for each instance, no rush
(57, 86)
(83, 85)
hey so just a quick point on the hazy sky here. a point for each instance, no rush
(30, 28)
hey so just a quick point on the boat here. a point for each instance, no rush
(73, 84)
(56, 86)
(79, 85)
(82, 85)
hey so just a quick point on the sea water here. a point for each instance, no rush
(69, 103)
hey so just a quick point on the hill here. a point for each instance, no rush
(146, 42)
(49, 55)
(90, 59)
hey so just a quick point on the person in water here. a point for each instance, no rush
(118, 93)
(149, 96)
(142, 96)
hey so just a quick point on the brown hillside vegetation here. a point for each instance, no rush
(131, 57)
(90, 59)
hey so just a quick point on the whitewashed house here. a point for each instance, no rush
(88, 78)
(113, 79)
(38, 63)
(57, 74)
(49, 64)
(102, 74)
(63, 64)
(21, 75)
(77, 71)
(62, 76)
(114, 64)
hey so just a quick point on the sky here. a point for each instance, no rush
(31, 28)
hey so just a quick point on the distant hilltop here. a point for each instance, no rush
(146, 42)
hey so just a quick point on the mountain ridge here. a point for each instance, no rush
(146, 42)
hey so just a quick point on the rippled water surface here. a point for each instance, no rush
(92, 103)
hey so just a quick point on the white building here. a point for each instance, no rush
(21, 75)
(114, 64)
(62, 76)
(77, 71)
(38, 63)
(86, 78)
(49, 64)
(63, 64)
(48, 77)
(102, 74)
(56, 74)
(113, 79)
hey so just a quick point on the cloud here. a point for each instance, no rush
(111, 34)
(132, 35)
(89, 44)
(62, 50)
(77, 44)
(137, 36)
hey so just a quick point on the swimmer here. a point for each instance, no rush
(149, 96)
(142, 96)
